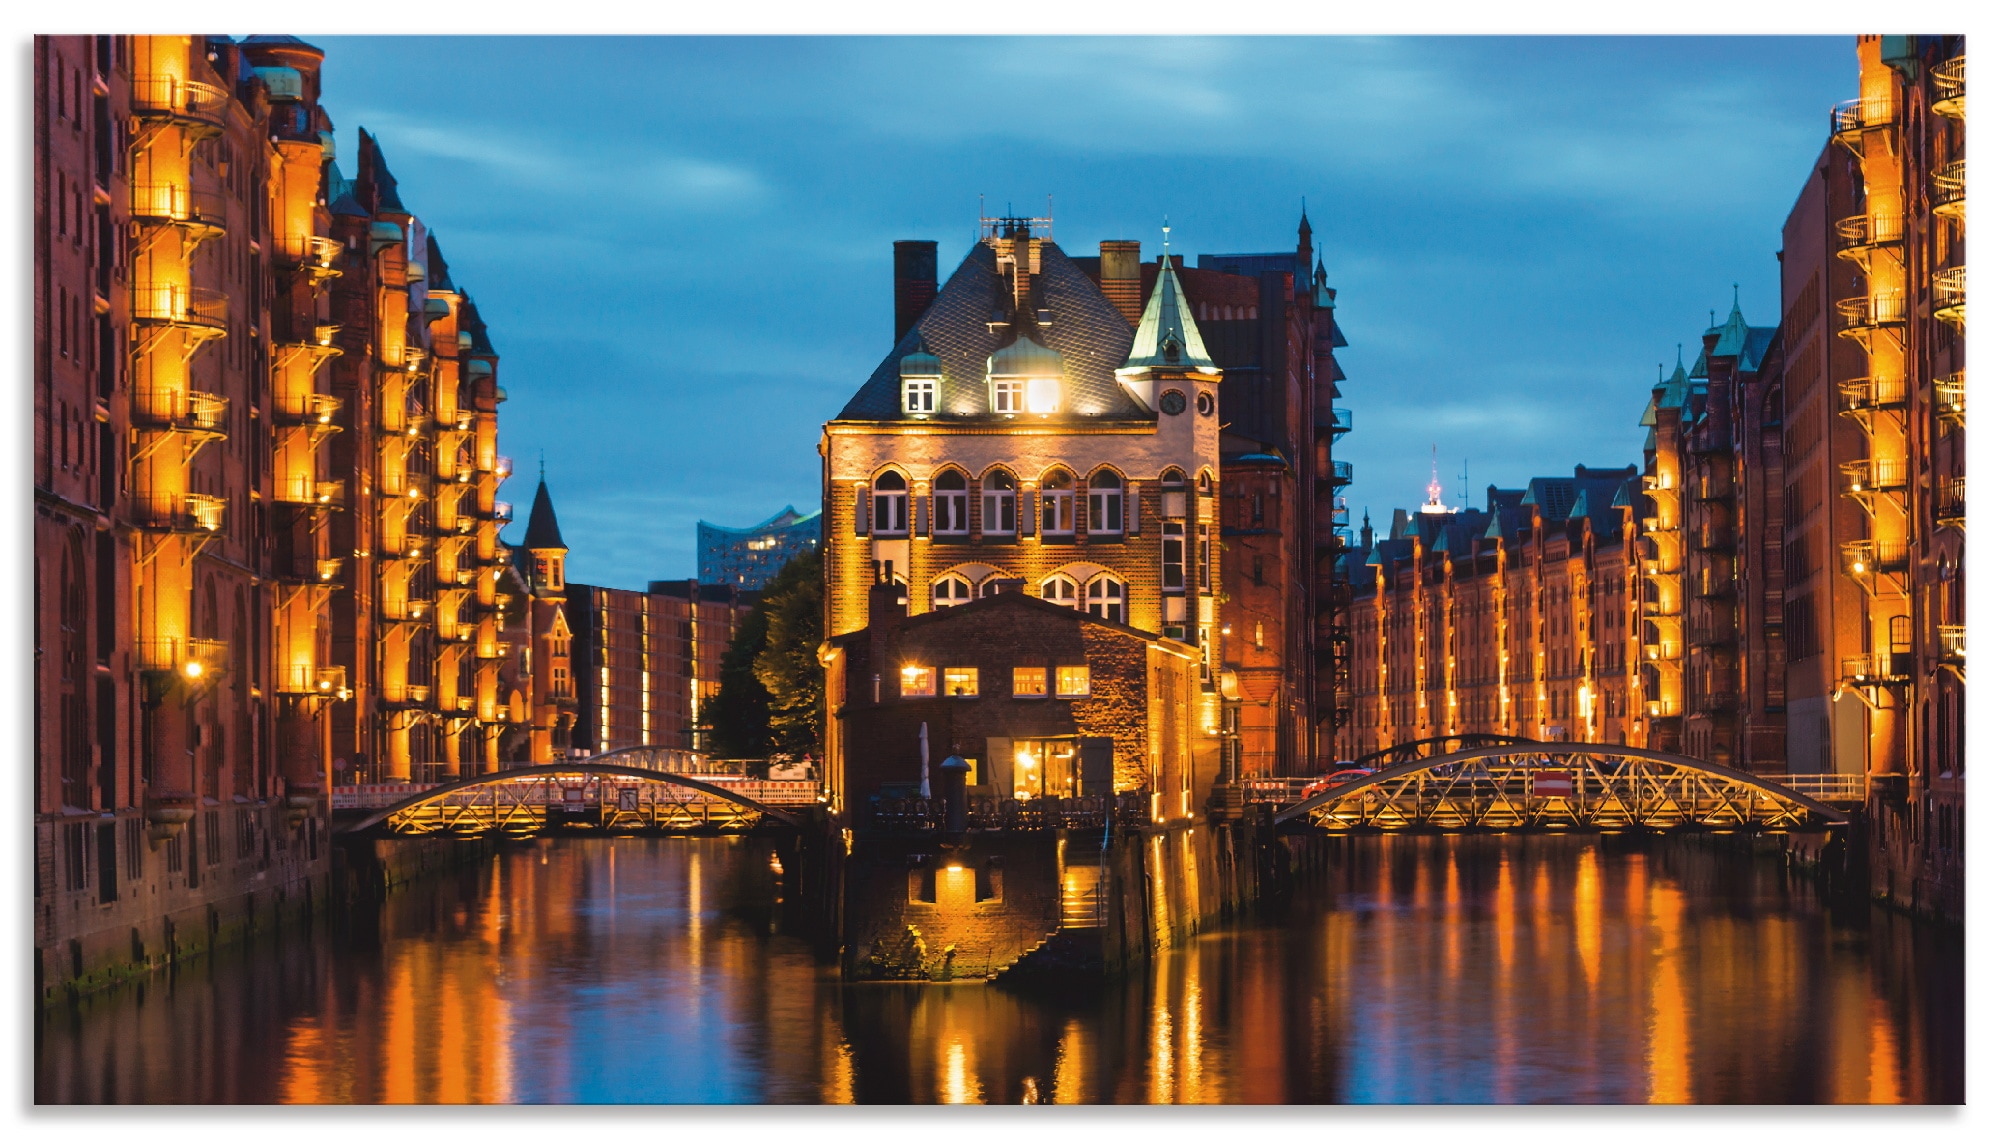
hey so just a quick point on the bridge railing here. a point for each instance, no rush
(992, 814)
(1827, 787)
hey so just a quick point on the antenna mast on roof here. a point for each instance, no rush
(1465, 486)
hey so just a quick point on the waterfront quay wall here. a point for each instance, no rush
(1052, 905)
(115, 900)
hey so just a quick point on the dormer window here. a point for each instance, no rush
(1007, 396)
(919, 395)
(1044, 396)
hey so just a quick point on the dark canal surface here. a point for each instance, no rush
(1426, 970)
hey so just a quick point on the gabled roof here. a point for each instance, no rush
(1084, 326)
(1167, 335)
(543, 533)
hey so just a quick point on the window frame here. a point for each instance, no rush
(1106, 582)
(1007, 501)
(1071, 672)
(1010, 396)
(907, 682)
(951, 579)
(946, 682)
(890, 503)
(1040, 677)
(1173, 556)
(1058, 492)
(1107, 505)
(944, 498)
(925, 387)
(1059, 580)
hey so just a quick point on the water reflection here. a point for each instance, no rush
(1421, 970)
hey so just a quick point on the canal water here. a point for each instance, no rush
(1417, 970)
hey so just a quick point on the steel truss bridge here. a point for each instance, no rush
(628, 790)
(1562, 786)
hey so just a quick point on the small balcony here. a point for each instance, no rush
(1948, 295)
(1715, 537)
(1891, 667)
(1948, 190)
(503, 512)
(305, 680)
(179, 409)
(319, 494)
(409, 695)
(1714, 488)
(181, 306)
(1714, 636)
(1873, 393)
(1340, 421)
(1861, 234)
(191, 657)
(1948, 398)
(1864, 558)
(1950, 502)
(167, 203)
(1862, 315)
(1951, 643)
(195, 514)
(1340, 515)
(1870, 476)
(308, 253)
(1856, 117)
(490, 650)
(1343, 473)
(1948, 88)
(165, 98)
(503, 467)
(409, 610)
(308, 410)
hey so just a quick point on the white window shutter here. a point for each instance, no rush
(861, 508)
(920, 514)
(1028, 515)
(1131, 508)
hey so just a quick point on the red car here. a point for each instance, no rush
(1335, 779)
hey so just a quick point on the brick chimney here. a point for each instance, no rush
(916, 282)
(1118, 276)
(888, 602)
(1024, 266)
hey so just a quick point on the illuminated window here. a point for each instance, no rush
(1060, 590)
(1072, 680)
(961, 682)
(1107, 503)
(1106, 599)
(1031, 683)
(1059, 504)
(950, 501)
(919, 395)
(892, 504)
(1007, 396)
(950, 590)
(1044, 396)
(996, 504)
(919, 680)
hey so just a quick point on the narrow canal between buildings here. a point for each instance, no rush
(1471, 969)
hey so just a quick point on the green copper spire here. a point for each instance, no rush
(1167, 336)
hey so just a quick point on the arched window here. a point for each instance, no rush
(1060, 590)
(996, 504)
(1059, 503)
(892, 504)
(949, 496)
(1204, 483)
(950, 590)
(1106, 598)
(991, 586)
(1107, 503)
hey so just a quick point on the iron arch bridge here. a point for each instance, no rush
(1560, 786)
(596, 792)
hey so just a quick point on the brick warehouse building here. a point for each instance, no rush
(1060, 421)
(207, 489)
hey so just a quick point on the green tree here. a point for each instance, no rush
(789, 663)
(737, 718)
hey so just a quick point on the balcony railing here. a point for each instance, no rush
(1951, 502)
(1948, 87)
(178, 409)
(1711, 636)
(1863, 232)
(1867, 476)
(310, 409)
(503, 512)
(1951, 642)
(325, 493)
(180, 305)
(1871, 392)
(178, 513)
(166, 203)
(490, 650)
(1343, 473)
(1341, 421)
(164, 96)
(192, 657)
(310, 252)
(306, 680)
(1948, 189)
(1876, 667)
(1714, 488)
(1860, 314)
(1948, 397)
(1948, 294)
(414, 609)
(1865, 557)
(1857, 115)
(406, 693)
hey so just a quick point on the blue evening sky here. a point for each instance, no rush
(682, 245)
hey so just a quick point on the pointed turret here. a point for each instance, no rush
(1167, 336)
(544, 543)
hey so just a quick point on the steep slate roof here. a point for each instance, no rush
(1085, 327)
(470, 321)
(543, 533)
(440, 271)
(376, 168)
